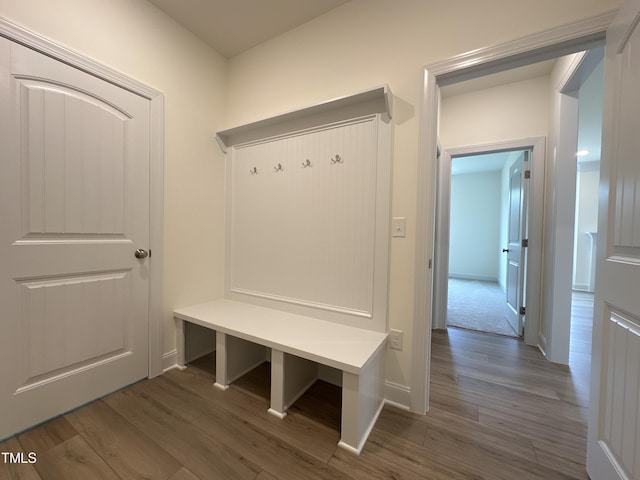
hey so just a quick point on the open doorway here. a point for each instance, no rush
(487, 221)
(506, 105)
(590, 99)
(567, 177)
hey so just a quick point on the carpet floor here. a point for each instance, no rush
(477, 305)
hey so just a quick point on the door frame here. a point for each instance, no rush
(535, 206)
(571, 38)
(49, 48)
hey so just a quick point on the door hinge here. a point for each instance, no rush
(430, 264)
(523, 311)
(525, 242)
(527, 174)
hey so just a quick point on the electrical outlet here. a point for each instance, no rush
(395, 339)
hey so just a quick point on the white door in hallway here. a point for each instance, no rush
(516, 253)
(74, 207)
(613, 445)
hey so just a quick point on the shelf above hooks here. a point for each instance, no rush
(374, 101)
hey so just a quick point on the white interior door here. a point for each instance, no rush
(515, 251)
(74, 207)
(613, 445)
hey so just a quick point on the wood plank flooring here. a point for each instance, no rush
(499, 410)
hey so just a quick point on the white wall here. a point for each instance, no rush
(586, 221)
(365, 43)
(474, 244)
(135, 38)
(508, 112)
(589, 135)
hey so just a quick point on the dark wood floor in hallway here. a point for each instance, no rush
(499, 410)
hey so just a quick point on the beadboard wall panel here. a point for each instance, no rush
(305, 234)
(308, 221)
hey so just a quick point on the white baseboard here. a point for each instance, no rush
(466, 276)
(397, 395)
(277, 414)
(169, 360)
(542, 344)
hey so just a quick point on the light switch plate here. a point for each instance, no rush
(399, 226)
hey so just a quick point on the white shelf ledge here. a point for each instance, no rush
(374, 101)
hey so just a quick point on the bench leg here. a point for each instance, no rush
(362, 402)
(291, 376)
(221, 361)
(277, 405)
(180, 343)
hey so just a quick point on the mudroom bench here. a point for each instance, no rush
(297, 345)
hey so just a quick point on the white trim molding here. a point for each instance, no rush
(397, 395)
(375, 100)
(47, 47)
(545, 45)
(170, 361)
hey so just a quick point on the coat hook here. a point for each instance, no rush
(337, 159)
(306, 163)
(278, 168)
(253, 171)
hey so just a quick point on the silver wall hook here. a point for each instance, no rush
(278, 168)
(306, 163)
(253, 171)
(337, 159)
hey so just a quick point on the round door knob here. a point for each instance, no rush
(504, 250)
(140, 253)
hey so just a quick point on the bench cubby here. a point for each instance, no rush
(297, 344)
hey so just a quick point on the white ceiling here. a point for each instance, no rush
(233, 26)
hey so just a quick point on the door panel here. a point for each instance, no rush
(74, 204)
(71, 320)
(515, 252)
(73, 162)
(613, 446)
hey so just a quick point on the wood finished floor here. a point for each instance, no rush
(498, 411)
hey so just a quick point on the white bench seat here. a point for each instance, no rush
(298, 344)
